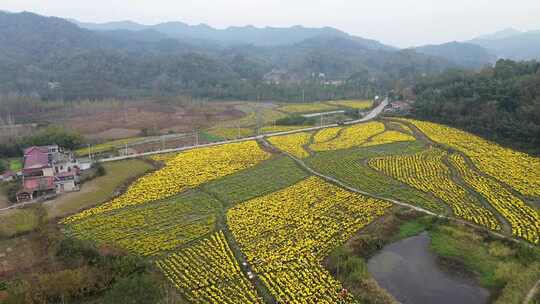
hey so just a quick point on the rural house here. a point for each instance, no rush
(47, 170)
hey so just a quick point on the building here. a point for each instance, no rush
(8, 176)
(48, 170)
(400, 107)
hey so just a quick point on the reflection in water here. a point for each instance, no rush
(409, 271)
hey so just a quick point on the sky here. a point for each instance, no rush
(401, 23)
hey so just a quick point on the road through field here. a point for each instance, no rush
(371, 115)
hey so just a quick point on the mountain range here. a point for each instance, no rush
(129, 59)
(475, 53)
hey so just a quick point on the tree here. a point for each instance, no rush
(137, 289)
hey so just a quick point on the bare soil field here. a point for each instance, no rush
(127, 121)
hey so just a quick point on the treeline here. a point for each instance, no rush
(501, 103)
(52, 134)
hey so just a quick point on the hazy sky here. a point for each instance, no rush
(397, 22)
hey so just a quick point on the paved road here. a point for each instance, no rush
(374, 113)
(371, 115)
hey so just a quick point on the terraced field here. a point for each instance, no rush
(245, 223)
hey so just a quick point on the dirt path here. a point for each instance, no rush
(4, 203)
(532, 293)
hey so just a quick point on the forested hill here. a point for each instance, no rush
(501, 103)
(56, 59)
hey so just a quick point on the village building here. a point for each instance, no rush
(47, 171)
(8, 176)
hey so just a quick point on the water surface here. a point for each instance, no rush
(410, 273)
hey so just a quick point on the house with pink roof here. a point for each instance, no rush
(47, 170)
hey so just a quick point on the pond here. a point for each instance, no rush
(408, 270)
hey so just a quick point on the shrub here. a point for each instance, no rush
(100, 169)
(295, 120)
(134, 290)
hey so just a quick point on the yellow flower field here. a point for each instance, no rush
(286, 234)
(352, 136)
(326, 134)
(525, 220)
(426, 172)
(292, 143)
(208, 273)
(232, 133)
(388, 137)
(518, 170)
(186, 170)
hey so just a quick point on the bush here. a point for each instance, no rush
(134, 290)
(3, 166)
(295, 120)
(53, 134)
(75, 252)
(100, 169)
(11, 190)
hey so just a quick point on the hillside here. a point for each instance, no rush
(466, 55)
(501, 103)
(512, 44)
(291, 218)
(58, 60)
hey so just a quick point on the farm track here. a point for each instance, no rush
(221, 224)
(530, 295)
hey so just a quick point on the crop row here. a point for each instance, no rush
(426, 172)
(292, 143)
(264, 178)
(208, 273)
(350, 167)
(299, 226)
(388, 137)
(350, 137)
(186, 170)
(151, 229)
(525, 220)
(519, 170)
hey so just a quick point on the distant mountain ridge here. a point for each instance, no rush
(36, 51)
(467, 55)
(511, 44)
(267, 36)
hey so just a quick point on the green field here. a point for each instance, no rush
(264, 178)
(349, 166)
(99, 189)
(153, 228)
(18, 221)
(106, 146)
